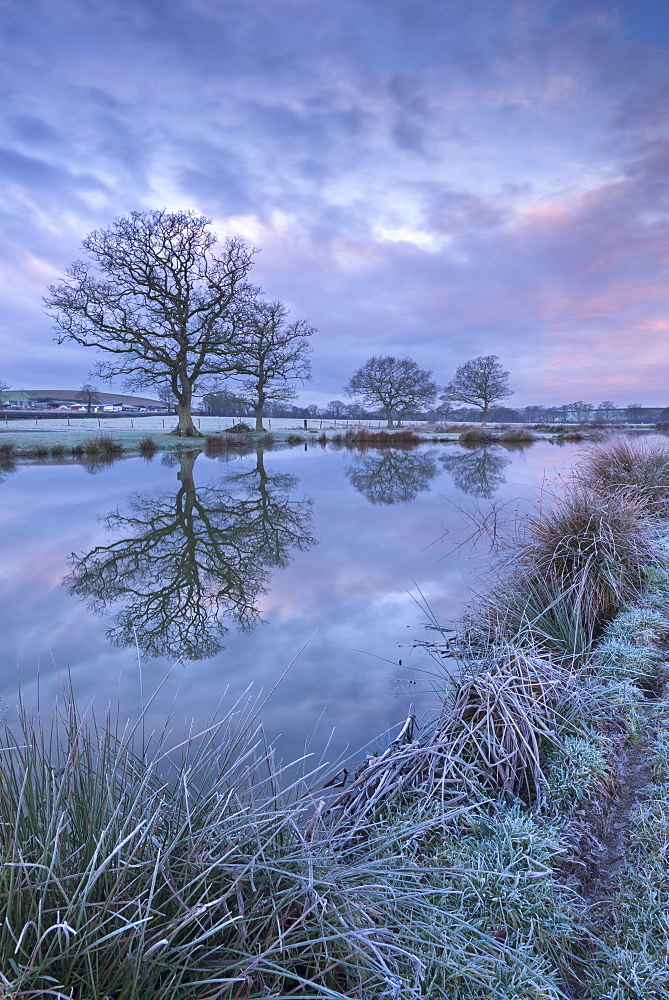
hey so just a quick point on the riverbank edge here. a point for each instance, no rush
(52, 443)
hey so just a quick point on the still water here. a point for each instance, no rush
(210, 576)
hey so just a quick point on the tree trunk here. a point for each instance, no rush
(258, 412)
(185, 426)
(389, 414)
(484, 416)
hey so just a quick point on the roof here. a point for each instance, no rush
(14, 395)
(67, 395)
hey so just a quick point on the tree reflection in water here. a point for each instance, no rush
(188, 562)
(479, 473)
(392, 475)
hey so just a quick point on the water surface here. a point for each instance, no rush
(216, 574)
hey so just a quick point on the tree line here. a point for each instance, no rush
(172, 309)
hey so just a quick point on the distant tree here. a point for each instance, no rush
(272, 355)
(3, 385)
(479, 382)
(166, 396)
(224, 403)
(581, 411)
(606, 412)
(534, 414)
(634, 413)
(336, 408)
(397, 385)
(88, 394)
(355, 411)
(157, 301)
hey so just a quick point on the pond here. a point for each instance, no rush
(206, 577)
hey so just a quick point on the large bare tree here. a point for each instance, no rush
(479, 383)
(273, 354)
(157, 300)
(397, 386)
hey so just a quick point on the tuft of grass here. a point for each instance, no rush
(474, 437)
(637, 466)
(577, 769)
(581, 556)
(375, 439)
(178, 871)
(58, 451)
(517, 436)
(7, 456)
(148, 447)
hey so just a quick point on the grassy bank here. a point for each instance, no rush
(515, 847)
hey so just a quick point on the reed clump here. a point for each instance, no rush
(370, 439)
(638, 467)
(147, 447)
(581, 555)
(222, 444)
(132, 870)
(7, 456)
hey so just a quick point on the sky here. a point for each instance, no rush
(438, 179)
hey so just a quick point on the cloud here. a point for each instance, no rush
(437, 179)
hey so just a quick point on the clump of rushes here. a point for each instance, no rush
(106, 447)
(474, 437)
(133, 871)
(7, 455)
(374, 439)
(581, 556)
(519, 436)
(294, 439)
(58, 451)
(637, 466)
(148, 447)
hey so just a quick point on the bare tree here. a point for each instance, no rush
(606, 412)
(222, 402)
(634, 413)
(479, 383)
(88, 394)
(396, 385)
(273, 353)
(336, 408)
(582, 411)
(157, 301)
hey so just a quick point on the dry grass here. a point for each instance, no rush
(148, 447)
(580, 556)
(488, 741)
(636, 466)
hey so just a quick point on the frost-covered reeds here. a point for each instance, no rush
(581, 553)
(132, 871)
